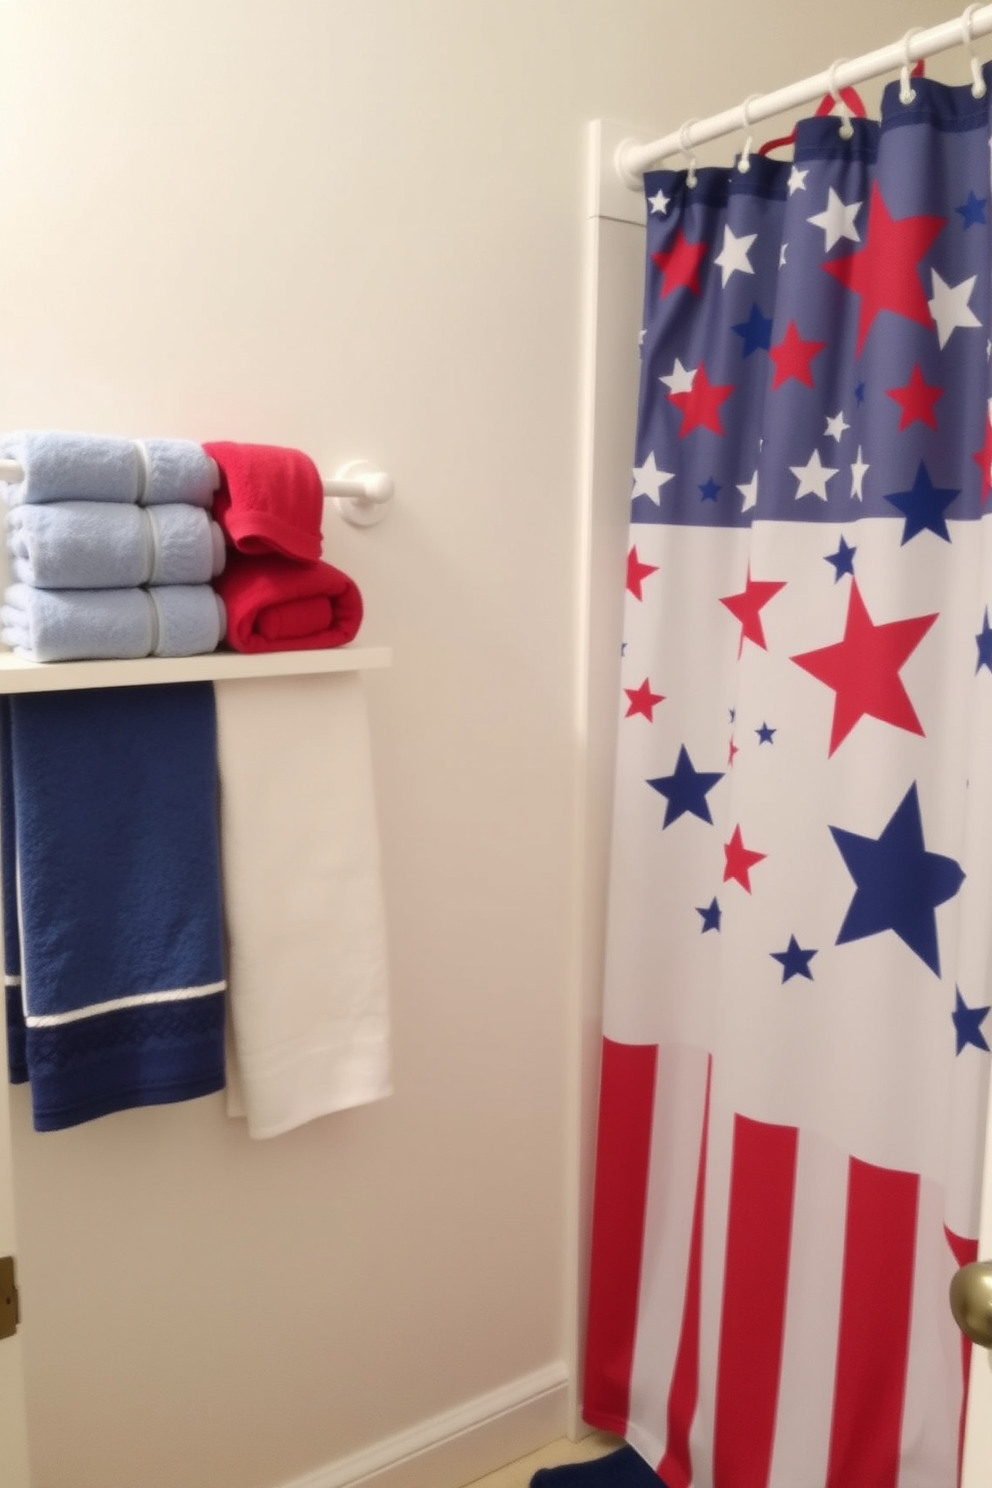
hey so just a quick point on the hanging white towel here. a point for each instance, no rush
(303, 900)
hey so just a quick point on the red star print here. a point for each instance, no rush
(700, 406)
(863, 669)
(884, 272)
(792, 357)
(733, 749)
(983, 459)
(643, 700)
(747, 607)
(916, 398)
(739, 860)
(636, 571)
(679, 265)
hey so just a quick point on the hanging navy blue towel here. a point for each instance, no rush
(113, 935)
(16, 1054)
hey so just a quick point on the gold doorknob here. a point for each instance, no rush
(971, 1301)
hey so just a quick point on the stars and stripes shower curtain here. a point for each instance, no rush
(796, 1052)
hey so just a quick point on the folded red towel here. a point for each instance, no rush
(271, 500)
(276, 605)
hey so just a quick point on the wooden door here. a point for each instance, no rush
(978, 1431)
(13, 1431)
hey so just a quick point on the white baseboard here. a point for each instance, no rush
(459, 1445)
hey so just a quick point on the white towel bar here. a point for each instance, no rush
(360, 493)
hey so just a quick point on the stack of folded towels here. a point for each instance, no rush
(113, 548)
(126, 548)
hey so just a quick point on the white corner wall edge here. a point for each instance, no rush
(613, 280)
(606, 194)
(460, 1445)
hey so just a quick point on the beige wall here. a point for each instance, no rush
(353, 226)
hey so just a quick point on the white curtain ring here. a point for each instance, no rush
(978, 87)
(744, 164)
(846, 127)
(906, 90)
(967, 34)
(691, 177)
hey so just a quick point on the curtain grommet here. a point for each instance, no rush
(907, 92)
(978, 85)
(846, 127)
(744, 163)
(691, 176)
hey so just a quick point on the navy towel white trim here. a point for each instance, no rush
(113, 927)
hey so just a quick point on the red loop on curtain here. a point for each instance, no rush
(850, 96)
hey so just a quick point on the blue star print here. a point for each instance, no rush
(794, 960)
(755, 332)
(968, 1023)
(766, 734)
(842, 560)
(923, 506)
(859, 392)
(898, 884)
(685, 789)
(984, 640)
(973, 210)
(710, 490)
(710, 917)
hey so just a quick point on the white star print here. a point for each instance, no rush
(837, 220)
(659, 202)
(797, 180)
(949, 306)
(836, 425)
(640, 337)
(681, 378)
(733, 255)
(750, 493)
(648, 479)
(858, 472)
(813, 477)
(781, 255)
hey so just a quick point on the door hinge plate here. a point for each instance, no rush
(10, 1313)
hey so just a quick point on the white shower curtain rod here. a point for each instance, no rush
(633, 159)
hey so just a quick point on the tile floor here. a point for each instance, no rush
(518, 1474)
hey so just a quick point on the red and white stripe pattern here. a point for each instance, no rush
(771, 1311)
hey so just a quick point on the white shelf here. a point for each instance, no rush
(19, 675)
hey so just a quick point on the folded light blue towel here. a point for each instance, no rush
(93, 624)
(99, 545)
(113, 916)
(65, 466)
